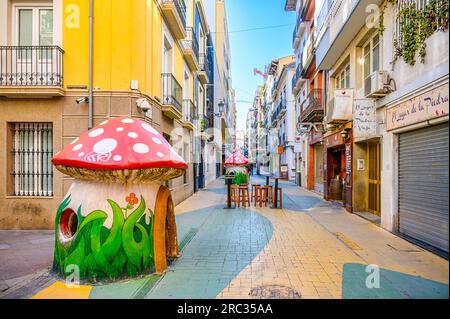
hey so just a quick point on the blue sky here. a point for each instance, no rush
(255, 48)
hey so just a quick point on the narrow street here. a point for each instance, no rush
(308, 249)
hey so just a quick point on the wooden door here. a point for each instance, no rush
(374, 179)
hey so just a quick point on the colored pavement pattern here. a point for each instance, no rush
(308, 249)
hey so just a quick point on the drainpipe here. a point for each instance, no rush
(91, 37)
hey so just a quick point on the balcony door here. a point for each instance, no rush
(34, 55)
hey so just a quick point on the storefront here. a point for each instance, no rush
(421, 127)
(315, 161)
(338, 166)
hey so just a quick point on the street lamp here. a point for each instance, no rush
(221, 109)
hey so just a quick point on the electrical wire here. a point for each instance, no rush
(257, 28)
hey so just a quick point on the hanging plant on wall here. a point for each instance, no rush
(416, 26)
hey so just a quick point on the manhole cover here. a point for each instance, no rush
(274, 292)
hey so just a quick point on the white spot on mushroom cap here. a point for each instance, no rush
(156, 140)
(119, 129)
(132, 135)
(96, 132)
(127, 121)
(105, 146)
(141, 148)
(117, 158)
(149, 128)
(105, 122)
(159, 154)
(81, 154)
(77, 147)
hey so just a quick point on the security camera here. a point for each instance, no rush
(82, 100)
(143, 104)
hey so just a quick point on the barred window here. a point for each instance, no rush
(32, 150)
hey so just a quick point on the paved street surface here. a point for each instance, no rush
(308, 249)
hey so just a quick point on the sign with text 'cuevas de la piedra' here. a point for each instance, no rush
(427, 106)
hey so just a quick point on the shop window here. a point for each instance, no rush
(31, 149)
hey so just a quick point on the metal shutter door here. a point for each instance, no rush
(423, 185)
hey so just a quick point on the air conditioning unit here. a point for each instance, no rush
(375, 85)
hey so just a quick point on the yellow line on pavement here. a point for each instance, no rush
(59, 290)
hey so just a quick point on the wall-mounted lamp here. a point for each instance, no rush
(221, 109)
(345, 133)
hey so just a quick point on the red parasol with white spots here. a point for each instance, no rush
(122, 148)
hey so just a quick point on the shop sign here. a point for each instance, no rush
(348, 162)
(427, 106)
(364, 118)
(297, 144)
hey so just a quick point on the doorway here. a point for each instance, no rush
(336, 173)
(374, 179)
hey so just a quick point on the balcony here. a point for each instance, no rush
(297, 80)
(274, 88)
(189, 114)
(278, 112)
(191, 51)
(204, 71)
(308, 52)
(172, 97)
(299, 27)
(31, 71)
(312, 108)
(175, 13)
(341, 22)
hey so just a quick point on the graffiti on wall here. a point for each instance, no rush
(102, 253)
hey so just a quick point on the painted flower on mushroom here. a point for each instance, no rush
(131, 199)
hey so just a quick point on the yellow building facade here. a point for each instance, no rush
(147, 60)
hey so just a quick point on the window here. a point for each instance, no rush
(371, 55)
(342, 80)
(32, 150)
(34, 26)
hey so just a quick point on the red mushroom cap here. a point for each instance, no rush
(236, 159)
(118, 144)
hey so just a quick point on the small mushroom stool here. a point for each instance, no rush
(267, 194)
(254, 186)
(279, 197)
(244, 197)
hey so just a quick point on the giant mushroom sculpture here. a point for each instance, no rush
(117, 218)
(236, 165)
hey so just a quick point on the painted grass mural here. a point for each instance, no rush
(102, 253)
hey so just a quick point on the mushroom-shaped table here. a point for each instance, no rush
(117, 218)
(236, 172)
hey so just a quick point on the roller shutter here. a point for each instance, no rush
(423, 185)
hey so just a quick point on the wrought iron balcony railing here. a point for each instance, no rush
(314, 109)
(31, 66)
(189, 112)
(172, 91)
(191, 42)
(297, 75)
(204, 63)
